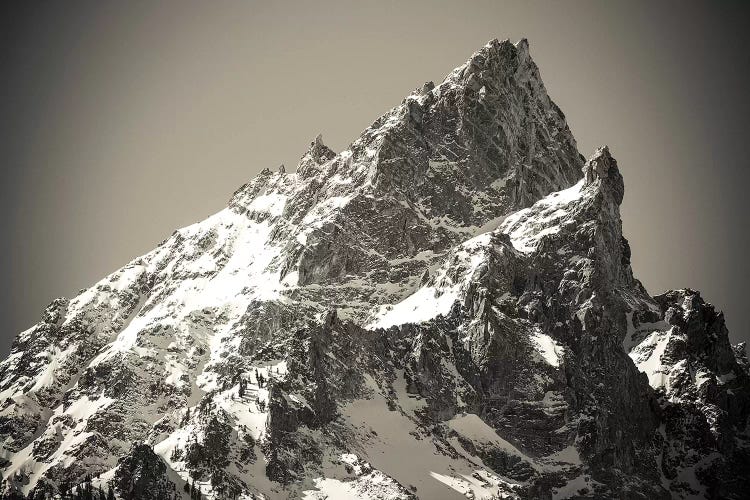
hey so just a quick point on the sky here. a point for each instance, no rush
(122, 121)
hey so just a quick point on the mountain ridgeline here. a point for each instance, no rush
(446, 309)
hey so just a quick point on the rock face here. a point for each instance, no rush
(141, 475)
(445, 309)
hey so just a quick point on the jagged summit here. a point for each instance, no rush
(444, 309)
(496, 61)
(316, 155)
(602, 168)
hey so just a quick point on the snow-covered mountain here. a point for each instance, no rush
(445, 309)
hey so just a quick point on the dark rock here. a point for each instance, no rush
(142, 475)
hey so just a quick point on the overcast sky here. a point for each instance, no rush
(122, 121)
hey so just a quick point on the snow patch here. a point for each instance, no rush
(450, 283)
(546, 346)
(528, 226)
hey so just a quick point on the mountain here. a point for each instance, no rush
(445, 309)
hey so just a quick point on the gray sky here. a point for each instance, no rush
(121, 121)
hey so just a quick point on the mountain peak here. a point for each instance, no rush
(602, 168)
(495, 62)
(317, 154)
(444, 308)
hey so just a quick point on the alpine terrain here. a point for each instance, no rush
(445, 309)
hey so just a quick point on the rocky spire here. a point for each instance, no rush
(317, 154)
(488, 127)
(497, 58)
(602, 168)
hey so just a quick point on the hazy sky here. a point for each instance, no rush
(121, 121)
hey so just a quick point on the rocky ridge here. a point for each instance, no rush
(445, 309)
